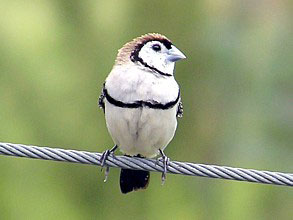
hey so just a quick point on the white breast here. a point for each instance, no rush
(142, 130)
(130, 83)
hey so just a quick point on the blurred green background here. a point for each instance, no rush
(236, 87)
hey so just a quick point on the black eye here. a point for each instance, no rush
(156, 47)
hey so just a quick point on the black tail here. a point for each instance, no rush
(133, 180)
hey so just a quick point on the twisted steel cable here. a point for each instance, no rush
(185, 168)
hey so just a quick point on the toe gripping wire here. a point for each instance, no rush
(103, 159)
(165, 160)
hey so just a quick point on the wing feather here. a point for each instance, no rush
(180, 110)
(101, 102)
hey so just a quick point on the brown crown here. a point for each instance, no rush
(126, 51)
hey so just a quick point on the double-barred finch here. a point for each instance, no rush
(141, 101)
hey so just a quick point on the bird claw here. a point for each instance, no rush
(103, 159)
(165, 160)
(106, 174)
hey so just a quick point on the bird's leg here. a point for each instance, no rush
(105, 155)
(165, 161)
(103, 159)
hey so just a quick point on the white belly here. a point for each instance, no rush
(141, 130)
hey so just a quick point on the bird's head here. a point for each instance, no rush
(153, 52)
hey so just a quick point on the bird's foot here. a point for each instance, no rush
(103, 159)
(165, 161)
(106, 174)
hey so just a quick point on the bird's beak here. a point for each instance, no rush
(174, 54)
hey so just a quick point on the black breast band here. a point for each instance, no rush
(139, 104)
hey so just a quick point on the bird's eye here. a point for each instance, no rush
(156, 47)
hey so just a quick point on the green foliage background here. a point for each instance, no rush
(236, 87)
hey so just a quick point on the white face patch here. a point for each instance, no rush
(155, 54)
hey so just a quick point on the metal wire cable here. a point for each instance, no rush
(185, 168)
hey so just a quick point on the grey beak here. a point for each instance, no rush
(174, 54)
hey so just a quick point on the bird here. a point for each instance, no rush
(141, 101)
